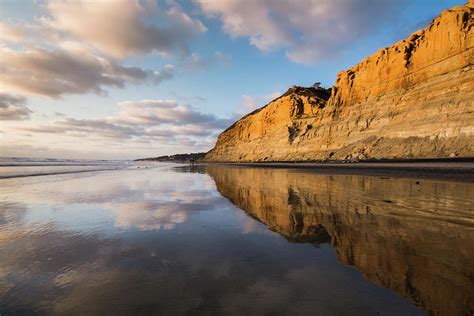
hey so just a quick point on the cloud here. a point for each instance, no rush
(84, 127)
(10, 32)
(166, 73)
(77, 47)
(105, 129)
(123, 28)
(196, 62)
(222, 58)
(68, 70)
(13, 108)
(158, 112)
(186, 98)
(307, 30)
(250, 103)
(144, 121)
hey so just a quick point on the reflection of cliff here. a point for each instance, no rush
(415, 238)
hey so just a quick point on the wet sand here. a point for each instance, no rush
(224, 239)
(458, 170)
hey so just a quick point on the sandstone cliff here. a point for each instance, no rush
(414, 238)
(414, 99)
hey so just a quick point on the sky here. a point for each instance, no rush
(125, 79)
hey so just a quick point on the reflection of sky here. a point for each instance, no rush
(75, 217)
(142, 241)
(107, 200)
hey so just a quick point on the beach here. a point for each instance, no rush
(177, 239)
(450, 169)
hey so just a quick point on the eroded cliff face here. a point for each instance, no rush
(414, 237)
(414, 99)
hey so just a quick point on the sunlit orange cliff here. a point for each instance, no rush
(414, 99)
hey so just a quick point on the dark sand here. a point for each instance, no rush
(457, 170)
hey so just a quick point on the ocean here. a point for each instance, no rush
(28, 167)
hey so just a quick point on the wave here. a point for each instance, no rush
(27, 167)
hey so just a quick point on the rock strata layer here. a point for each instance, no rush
(414, 99)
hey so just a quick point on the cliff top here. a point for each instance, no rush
(319, 93)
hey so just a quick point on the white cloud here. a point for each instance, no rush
(307, 30)
(250, 103)
(222, 59)
(145, 121)
(10, 32)
(196, 62)
(158, 112)
(76, 47)
(68, 70)
(123, 28)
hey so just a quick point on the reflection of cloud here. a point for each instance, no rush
(308, 291)
(67, 278)
(11, 212)
(247, 224)
(140, 215)
(137, 201)
(54, 272)
(55, 268)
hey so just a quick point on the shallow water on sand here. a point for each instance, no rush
(221, 239)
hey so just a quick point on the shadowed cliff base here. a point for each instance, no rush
(411, 100)
(412, 236)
